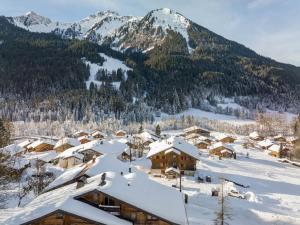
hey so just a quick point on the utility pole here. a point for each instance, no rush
(179, 181)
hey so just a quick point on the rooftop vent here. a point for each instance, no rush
(103, 177)
(81, 182)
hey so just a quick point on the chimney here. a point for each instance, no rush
(186, 198)
(81, 182)
(103, 177)
(94, 159)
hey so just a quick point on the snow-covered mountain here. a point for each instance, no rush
(152, 29)
(96, 27)
(121, 32)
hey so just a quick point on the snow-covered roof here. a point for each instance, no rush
(105, 163)
(64, 199)
(71, 152)
(173, 143)
(274, 148)
(220, 136)
(41, 142)
(226, 150)
(147, 136)
(25, 143)
(172, 169)
(104, 147)
(12, 149)
(67, 140)
(85, 137)
(135, 189)
(254, 134)
(189, 129)
(43, 156)
(66, 176)
(217, 145)
(18, 163)
(97, 132)
(265, 143)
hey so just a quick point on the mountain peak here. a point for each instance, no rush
(32, 18)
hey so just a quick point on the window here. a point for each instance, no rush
(149, 217)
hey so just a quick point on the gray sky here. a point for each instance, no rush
(270, 27)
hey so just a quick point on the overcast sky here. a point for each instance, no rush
(270, 27)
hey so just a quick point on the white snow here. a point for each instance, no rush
(175, 144)
(12, 149)
(200, 114)
(168, 19)
(70, 141)
(110, 64)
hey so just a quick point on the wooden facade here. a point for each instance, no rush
(218, 151)
(84, 139)
(42, 148)
(121, 209)
(197, 130)
(120, 133)
(227, 140)
(62, 218)
(63, 147)
(89, 154)
(69, 162)
(182, 161)
(202, 145)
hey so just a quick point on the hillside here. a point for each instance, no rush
(176, 64)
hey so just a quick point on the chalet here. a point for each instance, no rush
(70, 161)
(224, 138)
(279, 138)
(98, 134)
(101, 147)
(221, 150)
(255, 136)
(278, 151)
(92, 168)
(265, 144)
(292, 140)
(41, 146)
(85, 139)
(173, 152)
(42, 157)
(196, 130)
(65, 143)
(108, 198)
(120, 133)
(200, 144)
(146, 137)
(191, 137)
(81, 133)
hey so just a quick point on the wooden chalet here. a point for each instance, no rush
(120, 133)
(41, 146)
(224, 138)
(98, 135)
(221, 150)
(108, 198)
(196, 130)
(279, 151)
(255, 136)
(65, 143)
(81, 133)
(85, 139)
(173, 152)
(280, 138)
(70, 160)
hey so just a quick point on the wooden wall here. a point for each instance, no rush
(122, 209)
(182, 161)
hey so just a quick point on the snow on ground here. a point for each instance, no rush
(273, 195)
(110, 65)
(200, 114)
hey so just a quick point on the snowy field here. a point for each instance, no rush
(200, 114)
(110, 65)
(273, 196)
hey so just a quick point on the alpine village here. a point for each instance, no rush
(152, 120)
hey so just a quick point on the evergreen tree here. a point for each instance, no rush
(141, 129)
(5, 133)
